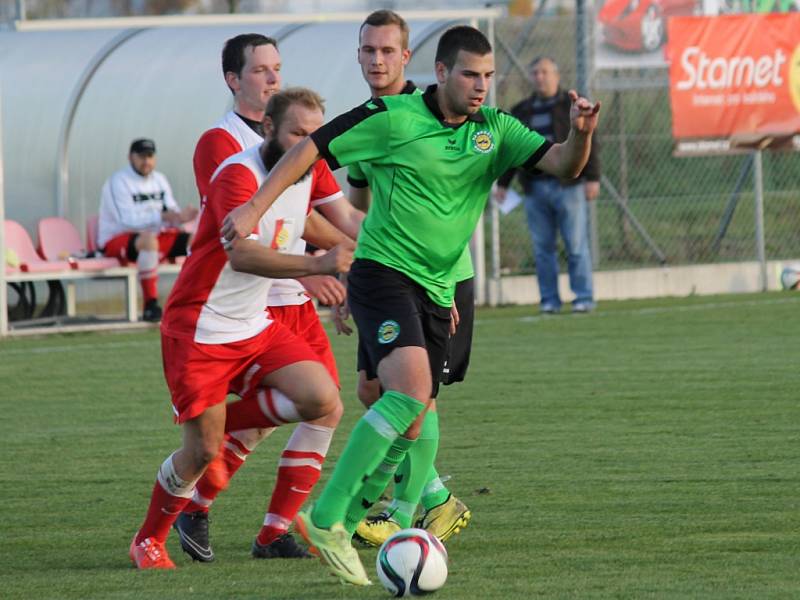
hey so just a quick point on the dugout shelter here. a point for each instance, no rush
(74, 93)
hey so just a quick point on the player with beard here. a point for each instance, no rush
(251, 65)
(217, 337)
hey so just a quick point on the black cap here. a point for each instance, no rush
(143, 146)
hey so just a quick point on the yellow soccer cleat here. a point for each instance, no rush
(334, 548)
(376, 530)
(446, 519)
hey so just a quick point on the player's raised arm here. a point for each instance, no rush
(568, 158)
(289, 169)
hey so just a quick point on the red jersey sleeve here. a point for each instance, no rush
(213, 147)
(234, 186)
(324, 187)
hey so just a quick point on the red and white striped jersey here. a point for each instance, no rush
(210, 302)
(227, 137)
(231, 135)
(131, 202)
(325, 188)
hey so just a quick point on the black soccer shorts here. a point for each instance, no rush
(393, 311)
(460, 346)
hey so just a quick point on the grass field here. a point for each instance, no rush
(648, 450)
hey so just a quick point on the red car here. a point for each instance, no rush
(640, 25)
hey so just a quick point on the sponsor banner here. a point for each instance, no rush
(736, 76)
(631, 34)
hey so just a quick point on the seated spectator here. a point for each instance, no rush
(141, 222)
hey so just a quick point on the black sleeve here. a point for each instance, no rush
(530, 164)
(323, 136)
(357, 183)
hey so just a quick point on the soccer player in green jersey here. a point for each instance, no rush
(383, 54)
(434, 158)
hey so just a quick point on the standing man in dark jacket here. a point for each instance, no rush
(553, 204)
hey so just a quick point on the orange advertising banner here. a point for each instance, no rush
(734, 76)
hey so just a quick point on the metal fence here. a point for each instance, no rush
(654, 208)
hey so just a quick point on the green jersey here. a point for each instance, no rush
(360, 174)
(429, 180)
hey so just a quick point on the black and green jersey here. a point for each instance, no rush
(360, 174)
(429, 180)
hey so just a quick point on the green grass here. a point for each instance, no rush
(648, 450)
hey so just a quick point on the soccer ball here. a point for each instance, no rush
(412, 562)
(790, 278)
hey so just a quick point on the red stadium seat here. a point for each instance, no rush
(59, 240)
(29, 261)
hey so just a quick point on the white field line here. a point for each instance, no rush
(98, 346)
(651, 311)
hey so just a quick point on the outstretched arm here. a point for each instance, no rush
(241, 221)
(568, 158)
(249, 256)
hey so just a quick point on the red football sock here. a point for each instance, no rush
(299, 469)
(161, 514)
(147, 266)
(231, 456)
(149, 289)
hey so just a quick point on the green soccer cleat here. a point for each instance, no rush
(446, 519)
(373, 531)
(334, 548)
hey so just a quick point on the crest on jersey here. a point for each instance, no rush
(388, 332)
(282, 238)
(483, 141)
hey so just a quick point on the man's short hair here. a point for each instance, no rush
(461, 37)
(233, 57)
(279, 103)
(381, 18)
(537, 59)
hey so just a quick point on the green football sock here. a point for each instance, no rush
(434, 493)
(376, 484)
(421, 456)
(367, 446)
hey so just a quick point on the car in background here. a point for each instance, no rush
(641, 25)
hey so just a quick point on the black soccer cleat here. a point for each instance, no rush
(284, 546)
(152, 312)
(192, 529)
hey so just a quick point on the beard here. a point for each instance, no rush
(272, 152)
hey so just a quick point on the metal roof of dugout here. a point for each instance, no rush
(75, 92)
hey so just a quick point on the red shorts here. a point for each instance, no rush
(118, 246)
(303, 321)
(199, 375)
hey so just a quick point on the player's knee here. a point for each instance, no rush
(334, 415)
(322, 401)
(147, 240)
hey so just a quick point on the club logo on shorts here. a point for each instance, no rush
(483, 141)
(388, 332)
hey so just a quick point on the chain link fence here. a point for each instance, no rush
(654, 208)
